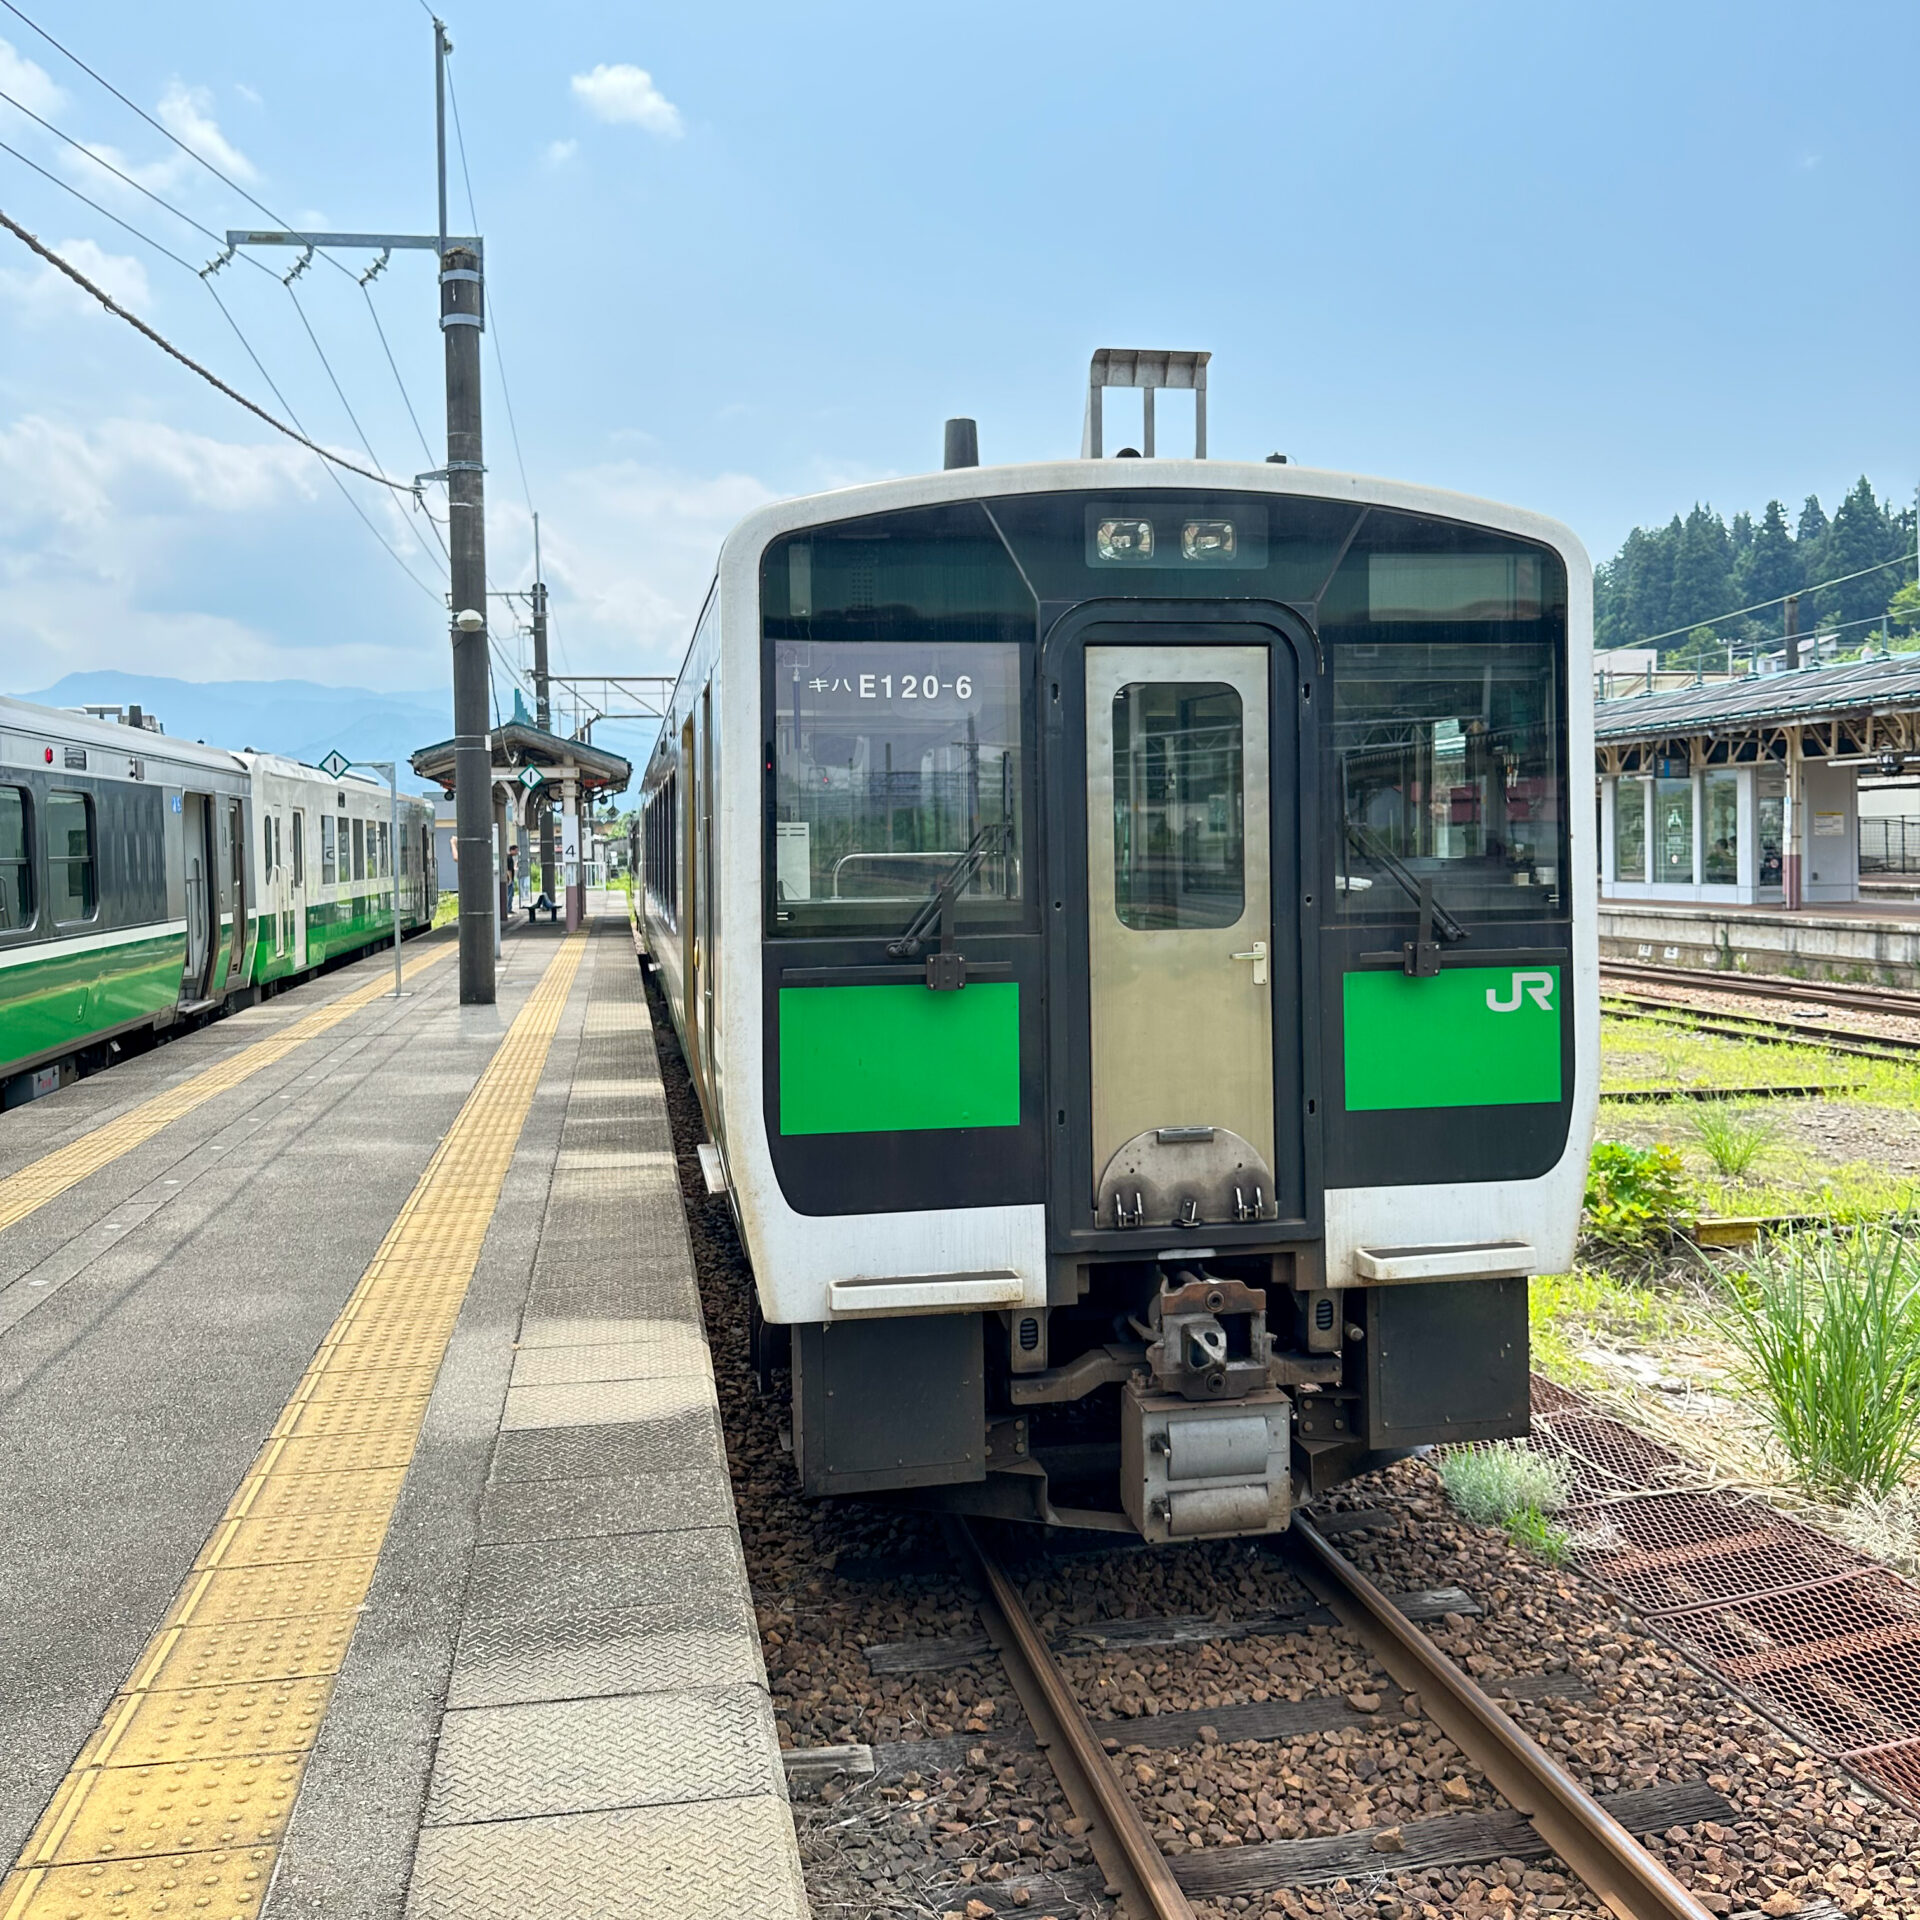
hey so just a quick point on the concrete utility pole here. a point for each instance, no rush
(462, 316)
(543, 703)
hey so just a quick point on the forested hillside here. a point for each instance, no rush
(1673, 580)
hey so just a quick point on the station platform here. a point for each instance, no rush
(1871, 942)
(368, 1545)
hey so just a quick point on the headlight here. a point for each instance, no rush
(1124, 539)
(1207, 540)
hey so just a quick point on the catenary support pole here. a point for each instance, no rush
(543, 707)
(462, 309)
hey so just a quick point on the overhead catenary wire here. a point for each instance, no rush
(432, 593)
(499, 357)
(166, 346)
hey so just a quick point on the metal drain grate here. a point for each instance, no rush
(1818, 1637)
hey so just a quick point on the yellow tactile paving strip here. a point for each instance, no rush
(47, 1178)
(178, 1802)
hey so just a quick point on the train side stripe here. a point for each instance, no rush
(30, 1189)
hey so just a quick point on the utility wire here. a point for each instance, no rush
(146, 239)
(166, 346)
(499, 358)
(1759, 606)
(432, 593)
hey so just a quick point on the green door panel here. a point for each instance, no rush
(899, 1059)
(1465, 1037)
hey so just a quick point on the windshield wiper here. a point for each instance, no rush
(1422, 953)
(946, 968)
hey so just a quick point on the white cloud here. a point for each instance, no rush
(250, 95)
(561, 151)
(627, 95)
(629, 549)
(42, 293)
(186, 113)
(123, 543)
(28, 84)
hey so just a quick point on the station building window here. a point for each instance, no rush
(1720, 858)
(16, 860)
(1630, 830)
(1770, 808)
(70, 856)
(1673, 830)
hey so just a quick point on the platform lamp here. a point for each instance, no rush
(1892, 762)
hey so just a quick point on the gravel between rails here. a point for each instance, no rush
(834, 1578)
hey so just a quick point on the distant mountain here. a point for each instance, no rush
(295, 717)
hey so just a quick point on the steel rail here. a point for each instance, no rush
(1756, 1027)
(1862, 999)
(1606, 1857)
(1135, 1867)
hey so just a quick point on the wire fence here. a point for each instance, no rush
(1890, 845)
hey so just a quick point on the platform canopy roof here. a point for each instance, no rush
(1806, 697)
(520, 743)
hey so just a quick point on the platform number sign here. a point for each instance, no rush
(530, 778)
(335, 764)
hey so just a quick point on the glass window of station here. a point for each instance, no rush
(898, 657)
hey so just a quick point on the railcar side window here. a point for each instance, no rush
(359, 849)
(1179, 827)
(327, 868)
(1445, 743)
(70, 849)
(16, 860)
(893, 768)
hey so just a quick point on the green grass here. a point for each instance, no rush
(1508, 1485)
(1827, 1326)
(447, 909)
(1732, 1135)
(1592, 1304)
(1730, 1174)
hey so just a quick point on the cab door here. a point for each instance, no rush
(1180, 930)
(1182, 1070)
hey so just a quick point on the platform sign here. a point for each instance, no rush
(531, 779)
(335, 764)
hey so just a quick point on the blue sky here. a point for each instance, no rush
(1599, 261)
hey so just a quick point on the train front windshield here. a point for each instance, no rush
(899, 658)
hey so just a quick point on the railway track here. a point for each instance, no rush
(1861, 999)
(1604, 1855)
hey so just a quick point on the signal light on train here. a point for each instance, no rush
(1207, 540)
(1124, 539)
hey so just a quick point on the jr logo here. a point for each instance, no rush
(1537, 987)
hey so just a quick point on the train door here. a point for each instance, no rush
(1182, 808)
(274, 883)
(691, 955)
(203, 896)
(297, 887)
(709, 895)
(236, 838)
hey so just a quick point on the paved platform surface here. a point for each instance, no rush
(368, 1544)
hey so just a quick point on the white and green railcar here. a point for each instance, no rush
(1130, 924)
(148, 881)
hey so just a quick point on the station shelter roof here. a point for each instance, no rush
(521, 743)
(1854, 690)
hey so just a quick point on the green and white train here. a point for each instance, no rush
(147, 881)
(1130, 923)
